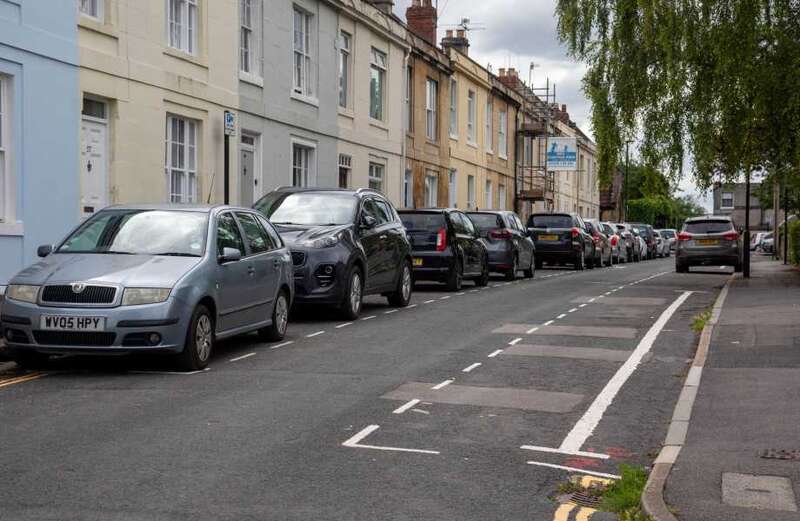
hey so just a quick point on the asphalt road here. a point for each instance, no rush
(328, 426)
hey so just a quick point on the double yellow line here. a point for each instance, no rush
(583, 513)
(20, 379)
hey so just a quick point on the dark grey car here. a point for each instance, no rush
(510, 247)
(705, 241)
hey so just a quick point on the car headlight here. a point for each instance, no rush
(324, 242)
(139, 296)
(23, 293)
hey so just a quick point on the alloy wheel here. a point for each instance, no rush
(203, 337)
(405, 286)
(281, 314)
(355, 293)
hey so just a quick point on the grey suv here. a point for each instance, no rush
(707, 241)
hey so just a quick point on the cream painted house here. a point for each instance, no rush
(156, 77)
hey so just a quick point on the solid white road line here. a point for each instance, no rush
(312, 335)
(460, 294)
(495, 353)
(515, 341)
(284, 344)
(248, 355)
(592, 299)
(369, 317)
(445, 297)
(591, 418)
(354, 443)
(532, 330)
(562, 315)
(574, 469)
(471, 367)
(412, 306)
(582, 305)
(406, 406)
(340, 326)
(552, 450)
(443, 384)
(548, 322)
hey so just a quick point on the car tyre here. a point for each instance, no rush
(280, 320)
(29, 359)
(531, 271)
(199, 341)
(354, 294)
(456, 276)
(539, 264)
(580, 261)
(405, 284)
(483, 280)
(511, 273)
(681, 267)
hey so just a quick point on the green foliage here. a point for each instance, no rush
(718, 79)
(662, 211)
(625, 493)
(794, 241)
(700, 320)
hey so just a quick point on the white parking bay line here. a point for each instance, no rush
(390, 311)
(443, 384)
(515, 341)
(532, 330)
(354, 443)
(406, 406)
(562, 315)
(429, 301)
(412, 306)
(340, 326)
(549, 322)
(284, 344)
(574, 469)
(445, 297)
(471, 367)
(369, 317)
(312, 335)
(494, 353)
(573, 310)
(248, 355)
(582, 305)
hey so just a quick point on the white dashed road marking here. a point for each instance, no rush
(406, 406)
(495, 353)
(369, 317)
(548, 322)
(248, 355)
(340, 326)
(515, 341)
(443, 384)
(471, 367)
(312, 335)
(284, 344)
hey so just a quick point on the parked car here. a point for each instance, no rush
(345, 244)
(711, 240)
(646, 232)
(768, 243)
(510, 247)
(755, 240)
(672, 237)
(640, 246)
(618, 250)
(662, 244)
(629, 239)
(602, 244)
(561, 238)
(161, 278)
(446, 247)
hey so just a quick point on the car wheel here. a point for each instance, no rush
(354, 293)
(539, 264)
(483, 280)
(681, 267)
(580, 261)
(456, 276)
(199, 341)
(511, 273)
(29, 359)
(402, 296)
(531, 271)
(280, 320)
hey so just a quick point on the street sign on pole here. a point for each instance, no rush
(230, 123)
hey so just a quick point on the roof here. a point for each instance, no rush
(174, 207)
(709, 217)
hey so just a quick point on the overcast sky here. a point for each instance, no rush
(516, 33)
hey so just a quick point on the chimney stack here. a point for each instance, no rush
(457, 41)
(510, 78)
(421, 18)
(384, 6)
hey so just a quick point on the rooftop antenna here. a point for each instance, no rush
(530, 72)
(468, 25)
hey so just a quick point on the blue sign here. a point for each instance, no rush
(230, 123)
(562, 153)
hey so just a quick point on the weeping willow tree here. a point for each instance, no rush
(715, 80)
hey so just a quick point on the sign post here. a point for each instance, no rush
(230, 130)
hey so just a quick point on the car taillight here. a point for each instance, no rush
(575, 233)
(613, 240)
(441, 239)
(501, 233)
(731, 236)
(684, 236)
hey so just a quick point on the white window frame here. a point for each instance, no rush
(487, 131)
(431, 109)
(309, 176)
(302, 76)
(6, 153)
(250, 37)
(452, 192)
(91, 8)
(183, 23)
(722, 198)
(408, 188)
(471, 116)
(374, 179)
(501, 196)
(502, 135)
(345, 64)
(453, 108)
(431, 189)
(345, 163)
(489, 196)
(183, 164)
(378, 63)
(471, 192)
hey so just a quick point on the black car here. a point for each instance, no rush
(345, 244)
(561, 238)
(446, 247)
(510, 247)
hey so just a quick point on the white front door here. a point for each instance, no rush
(94, 166)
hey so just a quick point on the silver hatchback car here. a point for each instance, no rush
(707, 241)
(170, 279)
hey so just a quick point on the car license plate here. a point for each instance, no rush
(548, 237)
(417, 262)
(72, 323)
(707, 242)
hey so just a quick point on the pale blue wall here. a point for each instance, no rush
(39, 50)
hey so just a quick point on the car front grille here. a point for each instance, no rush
(74, 338)
(298, 258)
(63, 294)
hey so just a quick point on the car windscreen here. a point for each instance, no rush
(313, 209)
(711, 226)
(669, 234)
(141, 232)
(486, 221)
(550, 221)
(422, 222)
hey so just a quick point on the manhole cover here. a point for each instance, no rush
(793, 455)
(585, 500)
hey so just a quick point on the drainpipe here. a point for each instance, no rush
(404, 137)
(516, 158)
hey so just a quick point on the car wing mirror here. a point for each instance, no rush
(44, 251)
(368, 222)
(230, 255)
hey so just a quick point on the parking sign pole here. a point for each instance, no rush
(227, 169)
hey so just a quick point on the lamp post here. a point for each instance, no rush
(746, 249)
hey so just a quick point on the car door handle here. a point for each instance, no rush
(276, 263)
(251, 270)
(383, 237)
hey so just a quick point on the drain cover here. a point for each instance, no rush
(793, 455)
(585, 500)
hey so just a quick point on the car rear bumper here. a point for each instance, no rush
(501, 259)
(723, 257)
(432, 265)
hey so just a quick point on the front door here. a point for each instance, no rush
(247, 177)
(94, 166)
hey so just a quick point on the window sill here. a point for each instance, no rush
(472, 144)
(490, 152)
(454, 137)
(96, 25)
(16, 229)
(252, 79)
(378, 123)
(432, 142)
(304, 99)
(346, 112)
(185, 56)
(503, 156)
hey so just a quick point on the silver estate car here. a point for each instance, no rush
(707, 241)
(170, 279)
